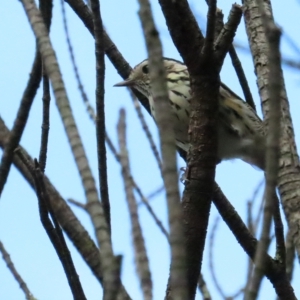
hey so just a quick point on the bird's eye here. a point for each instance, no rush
(145, 69)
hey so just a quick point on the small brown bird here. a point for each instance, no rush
(240, 130)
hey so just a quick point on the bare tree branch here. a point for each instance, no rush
(279, 234)
(141, 258)
(46, 11)
(225, 38)
(15, 273)
(100, 119)
(45, 124)
(170, 176)
(252, 226)
(21, 119)
(272, 156)
(53, 230)
(77, 203)
(83, 94)
(207, 48)
(241, 76)
(289, 172)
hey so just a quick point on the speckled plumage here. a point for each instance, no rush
(240, 130)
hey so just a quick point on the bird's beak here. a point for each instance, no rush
(127, 82)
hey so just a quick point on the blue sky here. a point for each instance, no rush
(20, 228)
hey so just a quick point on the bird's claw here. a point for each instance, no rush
(183, 177)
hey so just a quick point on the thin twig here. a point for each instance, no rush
(155, 193)
(258, 216)
(139, 191)
(15, 273)
(21, 119)
(100, 120)
(290, 256)
(84, 97)
(252, 226)
(46, 122)
(141, 258)
(77, 203)
(203, 288)
(251, 230)
(237, 294)
(225, 38)
(146, 130)
(212, 266)
(241, 76)
(211, 260)
(237, 66)
(207, 48)
(279, 234)
(46, 11)
(55, 233)
(250, 217)
(219, 23)
(53, 230)
(152, 213)
(260, 255)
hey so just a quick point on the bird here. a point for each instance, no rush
(240, 131)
